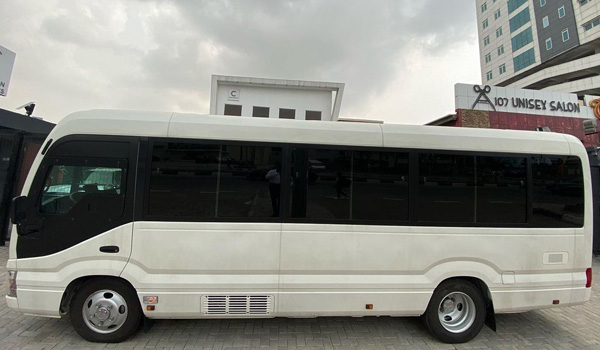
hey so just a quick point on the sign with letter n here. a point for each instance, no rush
(7, 61)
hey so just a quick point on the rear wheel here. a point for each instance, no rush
(456, 312)
(105, 310)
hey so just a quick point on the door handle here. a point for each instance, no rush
(109, 249)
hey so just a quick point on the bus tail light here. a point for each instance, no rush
(588, 275)
(12, 283)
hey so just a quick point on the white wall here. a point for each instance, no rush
(583, 14)
(276, 97)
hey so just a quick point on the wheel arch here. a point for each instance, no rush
(490, 318)
(75, 286)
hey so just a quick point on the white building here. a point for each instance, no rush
(275, 98)
(540, 44)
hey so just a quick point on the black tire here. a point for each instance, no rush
(118, 312)
(463, 313)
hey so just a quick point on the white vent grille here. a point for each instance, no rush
(237, 304)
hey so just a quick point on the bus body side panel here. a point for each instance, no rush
(584, 235)
(337, 269)
(43, 280)
(181, 261)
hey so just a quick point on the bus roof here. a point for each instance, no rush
(197, 126)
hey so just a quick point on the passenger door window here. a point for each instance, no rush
(85, 190)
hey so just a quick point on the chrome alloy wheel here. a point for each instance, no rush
(105, 311)
(456, 312)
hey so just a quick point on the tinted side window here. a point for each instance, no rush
(244, 190)
(380, 186)
(349, 185)
(183, 180)
(502, 190)
(446, 191)
(558, 197)
(203, 181)
(321, 181)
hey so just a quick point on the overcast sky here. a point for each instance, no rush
(399, 59)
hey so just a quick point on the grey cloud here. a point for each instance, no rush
(356, 42)
(160, 54)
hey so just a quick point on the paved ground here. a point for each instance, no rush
(563, 328)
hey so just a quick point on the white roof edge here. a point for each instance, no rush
(188, 125)
(228, 79)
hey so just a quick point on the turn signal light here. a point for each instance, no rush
(555, 302)
(588, 276)
(150, 307)
(369, 306)
(150, 300)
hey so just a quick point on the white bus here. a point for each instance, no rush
(129, 214)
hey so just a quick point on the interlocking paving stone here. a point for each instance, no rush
(576, 327)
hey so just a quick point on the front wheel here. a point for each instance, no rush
(105, 310)
(456, 312)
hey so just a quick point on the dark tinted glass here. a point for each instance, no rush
(313, 115)
(380, 186)
(285, 113)
(183, 180)
(262, 112)
(446, 191)
(502, 190)
(244, 190)
(322, 186)
(208, 181)
(557, 191)
(233, 110)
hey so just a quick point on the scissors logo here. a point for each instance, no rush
(483, 97)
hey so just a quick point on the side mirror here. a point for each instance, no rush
(18, 210)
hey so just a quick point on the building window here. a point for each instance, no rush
(488, 58)
(591, 24)
(486, 40)
(488, 75)
(519, 20)
(545, 22)
(583, 2)
(498, 32)
(485, 23)
(522, 39)
(565, 35)
(233, 110)
(549, 44)
(313, 115)
(483, 7)
(285, 113)
(561, 11)
(515, 4)
(542, 3)
(500, 50)
(497, 14)
(260, 112)
(523, 60)
(502, 69)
